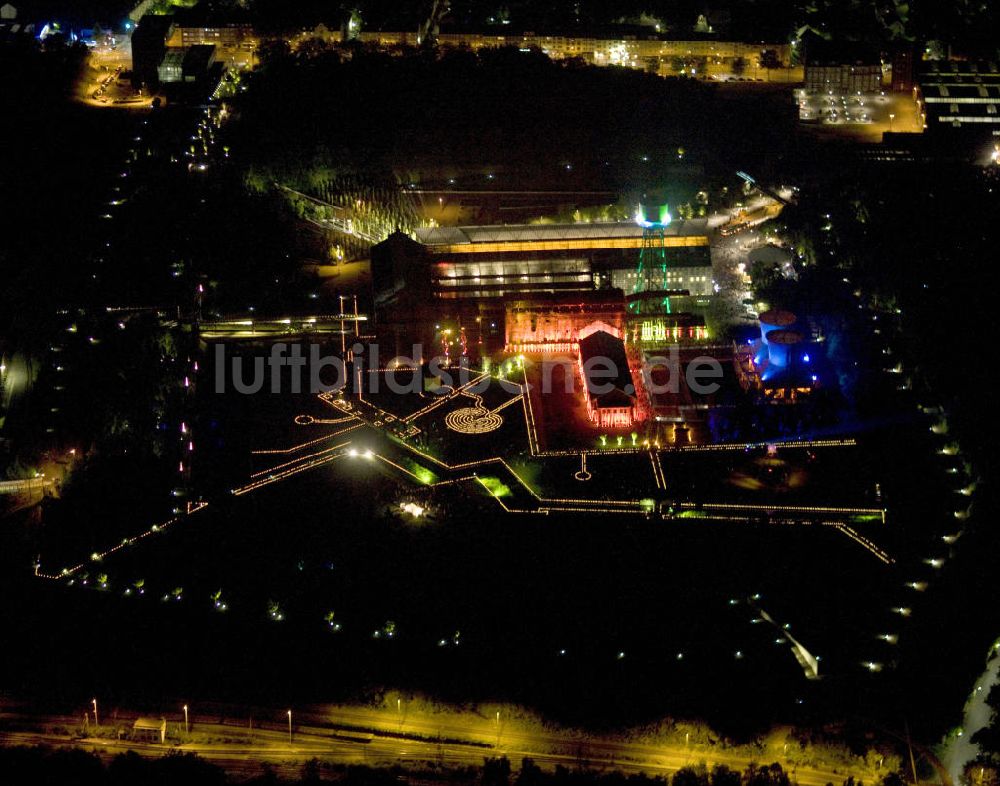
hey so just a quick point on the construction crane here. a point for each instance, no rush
(428, 31)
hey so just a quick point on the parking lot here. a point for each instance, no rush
(835, 108)
(863, 116)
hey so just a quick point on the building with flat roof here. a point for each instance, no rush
(449, 263)
(171, 68)
(198, 61)
(468, 273)
(612, 234)
(226, 35)
(149, 46)
(960, 96)
(841, 68)
(186, 64)
(231, 33)
(904, 60)
(638, 49)
(12, 31)
(497, 261)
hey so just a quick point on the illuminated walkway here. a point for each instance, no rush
(501, 482)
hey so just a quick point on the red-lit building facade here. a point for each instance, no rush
(610, 390)
(552, 323)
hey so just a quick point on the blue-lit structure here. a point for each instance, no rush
(784, 350)
(775, 319)
(785, 359)
(770, 321)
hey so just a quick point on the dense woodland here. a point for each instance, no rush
(39, 765)
(514, 114)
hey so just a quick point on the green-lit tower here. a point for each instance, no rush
(651, 274)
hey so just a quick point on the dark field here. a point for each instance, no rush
(519, 589)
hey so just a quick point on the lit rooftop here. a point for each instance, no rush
(520, 233)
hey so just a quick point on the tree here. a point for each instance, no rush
(723, 776)
(765, 277)
(739, 66)
(988, 739)
(496, 772)
(690, 776)
(530, 774)
(311, 47)
(769, 59)
(272, 51)
(768, 775)
(310, 772)
(185, 768)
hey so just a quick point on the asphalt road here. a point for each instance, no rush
(341, 735)
(17, 378)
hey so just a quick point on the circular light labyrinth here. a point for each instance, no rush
(473, 420)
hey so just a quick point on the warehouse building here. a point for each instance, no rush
(465, 275)
(486, 262)
(960, 96)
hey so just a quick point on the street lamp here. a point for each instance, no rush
(891, 118)
(187, 727)
(96, 721)
(289, 727)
